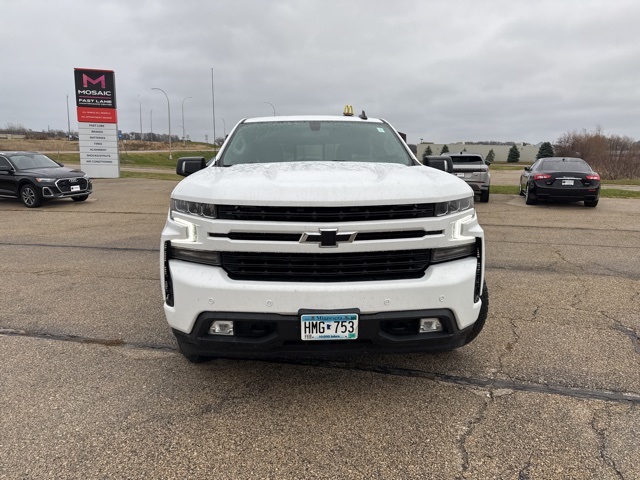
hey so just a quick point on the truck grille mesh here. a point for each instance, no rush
(328, 267)
(325, 214)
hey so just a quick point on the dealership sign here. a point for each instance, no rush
(97, 122)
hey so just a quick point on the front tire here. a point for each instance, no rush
(484, 195)
(81, 198)
(29, 196)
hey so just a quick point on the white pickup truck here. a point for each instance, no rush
(313, 235)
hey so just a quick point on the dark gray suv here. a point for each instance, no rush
(33, 177)
(472, 168)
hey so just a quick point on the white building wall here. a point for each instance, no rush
(527, 152)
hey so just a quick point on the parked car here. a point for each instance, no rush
(472, 169)
(33, 177)
(560, 178)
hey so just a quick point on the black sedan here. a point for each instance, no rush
(34, 177)
(558, 178)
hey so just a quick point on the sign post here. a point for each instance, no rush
(97, 122)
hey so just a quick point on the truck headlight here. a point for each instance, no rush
(199, 209)
(453, 206)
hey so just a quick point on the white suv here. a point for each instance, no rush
(317, 235)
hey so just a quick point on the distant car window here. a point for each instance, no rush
(467, 159)
(566, 165)
(308, 141)
(26, 161)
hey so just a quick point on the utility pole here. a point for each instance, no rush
(213, 103)
(140, 102)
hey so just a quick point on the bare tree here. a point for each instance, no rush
(612, 156)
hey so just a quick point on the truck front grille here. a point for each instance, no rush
(328, 267)
(325, 214)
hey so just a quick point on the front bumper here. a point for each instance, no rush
(265, 335)
(203, 293)
(58, 190)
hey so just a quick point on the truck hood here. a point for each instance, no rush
(320, 183)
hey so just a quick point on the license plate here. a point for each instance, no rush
(331, 326)
(567, 182)
(461, 175)
(75, 188)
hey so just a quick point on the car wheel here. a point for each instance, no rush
(484, 196)
(482, 317)
(30, 196)
(81, 198)
(527, 196)
(591, 203)
(520, 191)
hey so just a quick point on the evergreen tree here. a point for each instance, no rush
(445, 149)
(546, 150)
(514, 154)
(427, 152)
(491, 156)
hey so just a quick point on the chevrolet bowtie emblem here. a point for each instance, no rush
(328, 237)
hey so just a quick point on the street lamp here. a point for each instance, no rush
(151, 122)
(140, 102)
(274, 108)
(224, 125)
(168, 110)
(184, 140)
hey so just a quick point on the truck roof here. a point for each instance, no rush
(311, 118)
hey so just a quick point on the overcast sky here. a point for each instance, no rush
(442, 71)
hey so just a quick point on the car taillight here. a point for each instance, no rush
(595, 176)
(541, 176)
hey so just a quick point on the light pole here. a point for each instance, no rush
(184, 140)
(224, 125)
(168, 110)
(140, 102)
(213, 108)
(274, 108)
(68, 121)
(151, 122)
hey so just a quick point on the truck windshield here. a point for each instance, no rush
(313, 141)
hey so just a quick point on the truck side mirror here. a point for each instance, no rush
(441, 162)
(188, 165)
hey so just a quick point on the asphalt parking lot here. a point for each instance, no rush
(91, 384)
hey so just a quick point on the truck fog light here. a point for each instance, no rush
(221, 327)
(430, 325)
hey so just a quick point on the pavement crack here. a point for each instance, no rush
(524, 473)
(467, 432)
(107, 342)
(508, 349)
(629, 332)
(598, 425)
